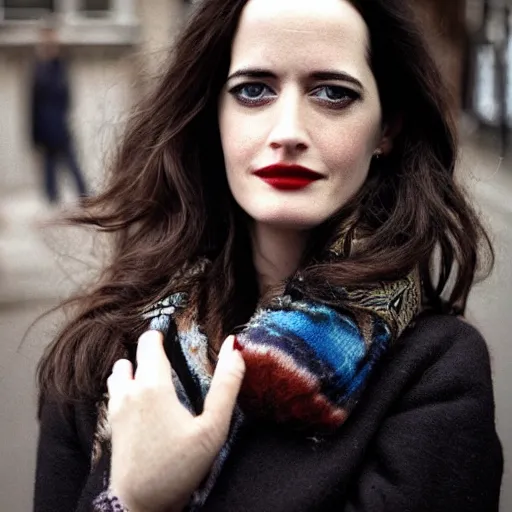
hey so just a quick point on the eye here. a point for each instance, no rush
(252, 93)
(335, 95)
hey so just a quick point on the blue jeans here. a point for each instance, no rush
(51, 160)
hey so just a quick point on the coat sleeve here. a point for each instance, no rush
(438, 451)
(62, 463)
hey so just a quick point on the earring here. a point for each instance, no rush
(377, 154)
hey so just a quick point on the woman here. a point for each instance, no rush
(289, 181)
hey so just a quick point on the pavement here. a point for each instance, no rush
(40, 258)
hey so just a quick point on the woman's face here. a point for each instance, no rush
(299, 116)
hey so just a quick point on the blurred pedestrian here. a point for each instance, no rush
(50, 108)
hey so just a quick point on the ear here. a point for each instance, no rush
(390, 131)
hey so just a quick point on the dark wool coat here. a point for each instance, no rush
(422, 439)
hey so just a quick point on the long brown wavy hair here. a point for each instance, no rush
(167, 202)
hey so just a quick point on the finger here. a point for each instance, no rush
(122, 372)
(123, 368)
(119, 381)
(226, 383)
(152, 364)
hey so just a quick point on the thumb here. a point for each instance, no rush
(118, 384)
(226, 383)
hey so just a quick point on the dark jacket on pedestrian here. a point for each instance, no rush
(50, 104)
(422, 439)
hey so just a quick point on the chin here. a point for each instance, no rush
(290, 221)
(286, 214)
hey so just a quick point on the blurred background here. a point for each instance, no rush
(107, 51)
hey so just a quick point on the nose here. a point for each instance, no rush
(288, 132)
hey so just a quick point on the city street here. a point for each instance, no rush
(38, 266)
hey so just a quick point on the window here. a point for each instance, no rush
(26, 9)
(95, 8)
(19, 10)
(79, 22)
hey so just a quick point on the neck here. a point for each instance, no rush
(276, 253)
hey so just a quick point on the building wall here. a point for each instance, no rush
(16, 162)
(103, 93)
(444, 23)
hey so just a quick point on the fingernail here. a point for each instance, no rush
(237, 345)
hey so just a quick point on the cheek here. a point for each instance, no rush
(237, 152)
(348, 151)
(238, 149)
(239, 143)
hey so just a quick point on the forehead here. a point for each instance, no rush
(273, 31)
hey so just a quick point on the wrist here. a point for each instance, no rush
(107, 501)
(119, 498)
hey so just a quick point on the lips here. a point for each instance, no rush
(284, 176)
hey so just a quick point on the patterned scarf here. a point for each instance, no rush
(307, 362)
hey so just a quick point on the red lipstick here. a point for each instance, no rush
(285, 176)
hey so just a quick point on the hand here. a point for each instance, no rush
(160, 451)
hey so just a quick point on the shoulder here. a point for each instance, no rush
(445, 360)
(431, 412)
(437, 340)
(441, 363)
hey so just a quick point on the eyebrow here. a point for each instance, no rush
(317, 75)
